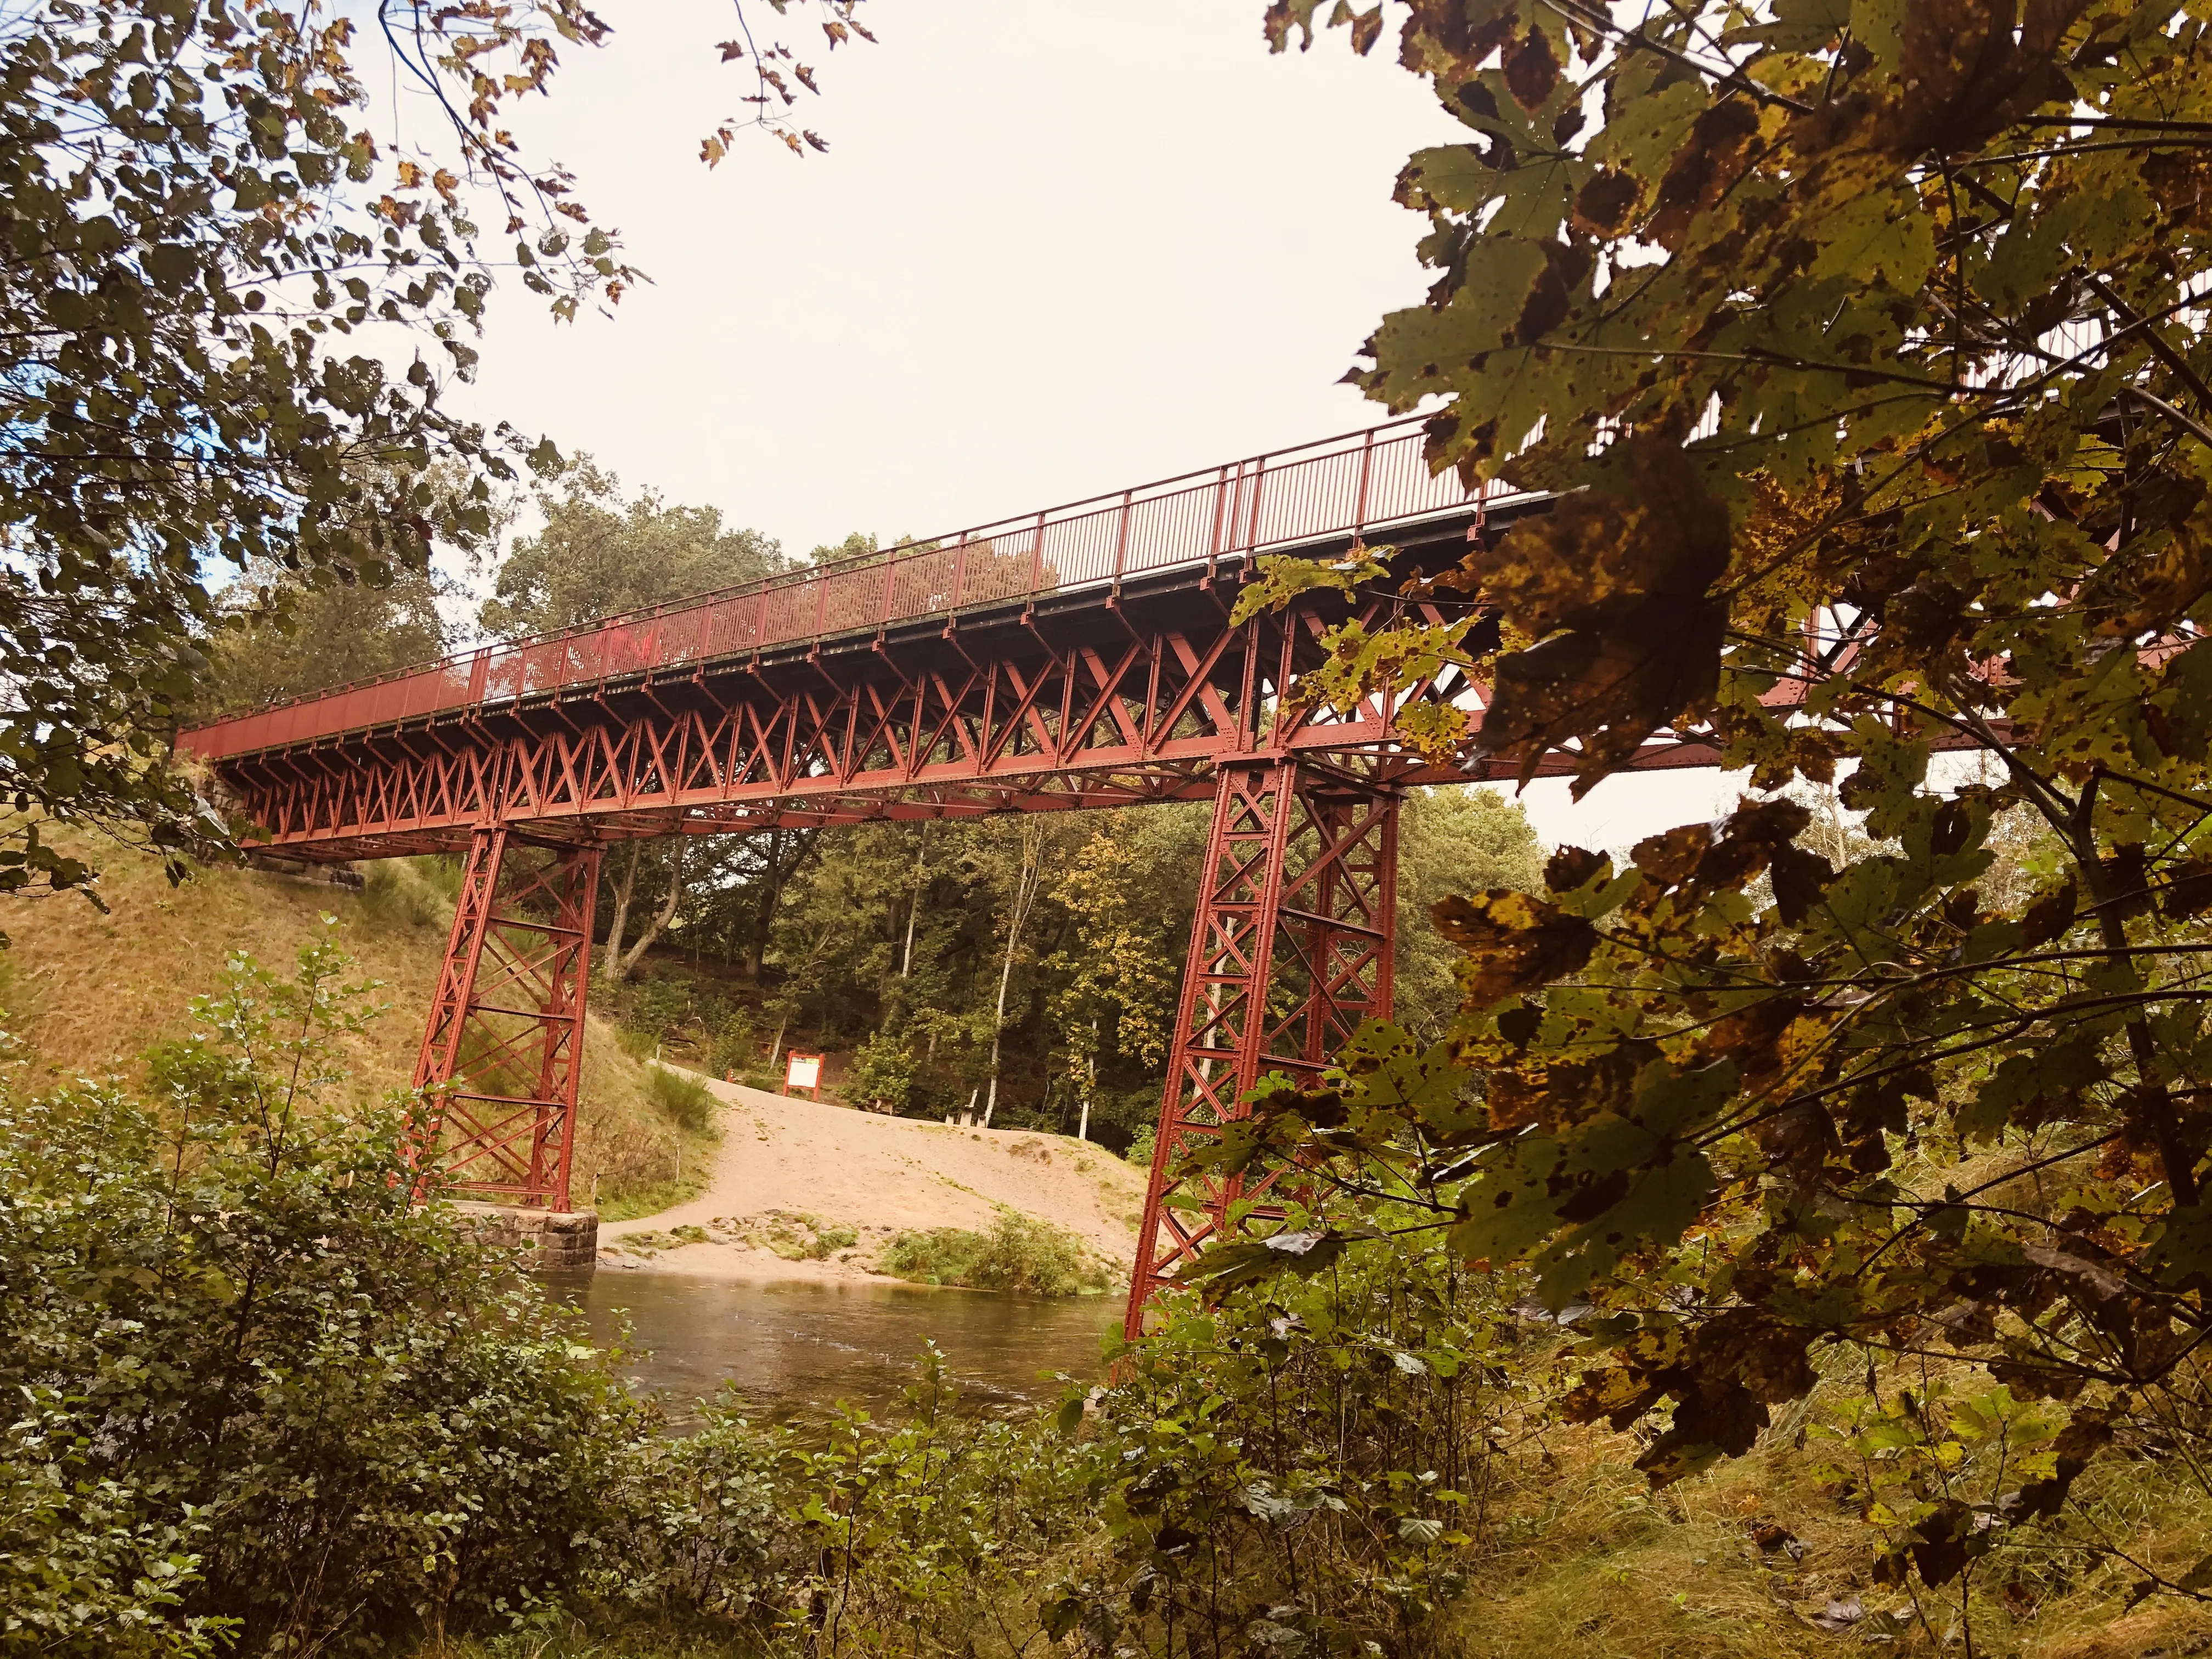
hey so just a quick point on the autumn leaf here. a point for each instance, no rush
(1513, 942)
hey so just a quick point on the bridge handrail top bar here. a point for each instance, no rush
(1252, 468)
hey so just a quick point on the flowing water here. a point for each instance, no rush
(793, 1347)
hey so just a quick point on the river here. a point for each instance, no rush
(791, 1347)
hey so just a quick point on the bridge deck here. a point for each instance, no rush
(1339, 488)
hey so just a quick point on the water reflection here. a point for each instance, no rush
(796, 1348)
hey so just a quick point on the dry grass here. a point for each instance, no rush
(1589, 1562)
(89, 994)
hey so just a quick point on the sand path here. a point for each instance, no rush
(782, 1157)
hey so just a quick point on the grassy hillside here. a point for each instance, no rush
(89, 994)
(1761, 1558)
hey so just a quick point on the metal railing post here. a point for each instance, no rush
(1366, 467)
(1252, 520)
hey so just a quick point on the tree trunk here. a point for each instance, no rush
(1025, 886)
(1083, 1126)
(914, 910)
(610, 966)
(998, 1015)
(784, 1025)
(774, 879)
(620, 963)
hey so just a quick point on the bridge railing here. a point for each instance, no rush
(1360, 481)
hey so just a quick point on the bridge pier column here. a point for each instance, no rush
(505, 1043)
(1290, 951)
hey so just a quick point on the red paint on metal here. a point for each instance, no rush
(1085, 659)
(1094, 542)
(504, 1048)
(1290, 952)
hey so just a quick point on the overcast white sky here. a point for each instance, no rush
(1057, 247)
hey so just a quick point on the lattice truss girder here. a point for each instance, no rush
(1015, 720)
(1291, 950)
(503, 1051)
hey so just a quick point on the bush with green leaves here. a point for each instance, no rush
(681, 1097)
(703, 1535)
(932, 1534)
(1303, 1468)
(1020, 1253)
(260, 1395)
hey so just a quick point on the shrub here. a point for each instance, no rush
(652, 1008)
(1304, 1465)
(260, 1394)
(700, 1538)
(1143, 1147)
(734, 1046)
(1020, 1253)
(684, 1100)
(883, 1071)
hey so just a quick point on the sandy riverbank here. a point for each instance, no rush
(781, 1159)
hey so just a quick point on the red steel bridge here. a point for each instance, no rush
(1082, 656)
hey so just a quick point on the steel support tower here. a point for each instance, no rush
(504, 1049)
(1290, 952)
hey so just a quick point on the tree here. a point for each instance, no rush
(618, 961)
(1862, 349)
(599, 555)
(1120, 967)
(832, 944)
(283, 633)
(288, 636)
(1450, 840)
(200, 221)
(858, 545)
(1021, 846)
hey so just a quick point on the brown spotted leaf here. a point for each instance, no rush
(1532, 70)
(1615, 584)
(1514, 943)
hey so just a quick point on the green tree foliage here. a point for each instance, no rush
(858, 545)
(893, 941)
(599, 555)
(201, 216)
(1122, 960)
(291, 635)
(260, 1397)
(1874, 330)
(1450, 840)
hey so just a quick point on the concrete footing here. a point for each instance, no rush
(557, 1240)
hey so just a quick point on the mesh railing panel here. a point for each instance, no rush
(1362, 483)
